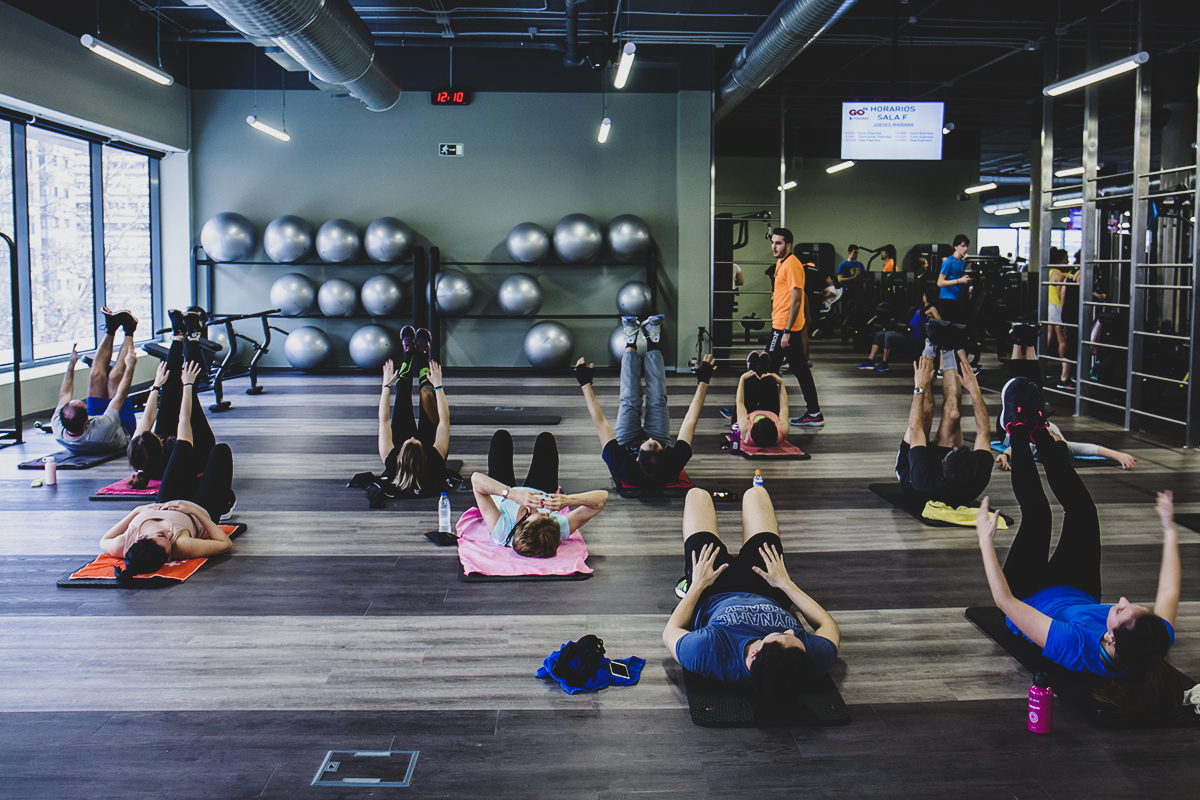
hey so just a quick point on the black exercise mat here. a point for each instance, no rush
(502, 417)
(717, 704)
(64, 460)
(476, 577)
(1075, 688)
(892, 493)
(66, 582)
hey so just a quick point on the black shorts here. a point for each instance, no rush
(738, 576)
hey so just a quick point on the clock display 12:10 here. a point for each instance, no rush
(450, 96)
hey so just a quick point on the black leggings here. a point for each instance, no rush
(403, 426)
(739, 575)
(794, 353)
(761, 394)
(1029, 567)
(543, 467)
(171, 397)
(212, 491)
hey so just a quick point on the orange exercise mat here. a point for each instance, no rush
(101, 572)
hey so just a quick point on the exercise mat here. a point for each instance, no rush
(503, 416)
(717, 704)
(98, 573)
(782, 451)
(123, 490)
(65, 460)
(891, 492)
(676, 488)
(480, 560)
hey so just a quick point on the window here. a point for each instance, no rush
(6, 227)
(127, 233)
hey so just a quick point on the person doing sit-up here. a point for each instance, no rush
(414, 452)
(638, 452)
(761, 404)
(528, 517)
(180, 524)
(105, 422)
(735, 621)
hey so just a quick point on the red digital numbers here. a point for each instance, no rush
(443, 97)
(459, 97)
(449, 97)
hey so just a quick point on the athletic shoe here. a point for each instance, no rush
(1033, 411)
(653, 327)
(408, 343)
(752, 362)
(727, 413)
(867, 365)
(630, 327)
(810, 420)
(764, 363)
(194, 325)
(425, 344)
(1068, 384)
(178, 326)
(232, 505)
(1011, 400)
(946, 335)
(681, 587)
(882, 367)
(1024, 334)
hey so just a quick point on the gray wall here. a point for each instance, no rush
(529, 157)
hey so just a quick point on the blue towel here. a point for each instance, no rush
(602, 678)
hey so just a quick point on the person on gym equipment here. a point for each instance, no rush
(105, 422)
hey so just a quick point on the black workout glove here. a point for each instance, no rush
(583, 373)
(704, 372)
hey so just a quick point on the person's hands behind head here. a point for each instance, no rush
(776, 573)
(923, 371)
(528, 498)
(160, 374)
(190, 372)
(435, 374)
(389, 373)
(1165, 506)
(705, 369)
(703, 572)
(584, 372)
(985, 526)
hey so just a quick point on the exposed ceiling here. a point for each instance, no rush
(985, 60)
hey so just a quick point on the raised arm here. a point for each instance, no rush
(704, 371)
(923, 381)
(1031, 622)
(150, 412)
(983, 423)
(385, 408)
(785, 415)
(776, 574)
(126, 381)
(583, 374)
(739, 405)
(703, 575)
(1166, 602)
(66, 392)
(441, 438)
(191, 371)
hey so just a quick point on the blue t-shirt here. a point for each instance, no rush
(510, 511)
(953, 269)
(916, 325)
(1080, 622)
(847, 267)
(726, 623)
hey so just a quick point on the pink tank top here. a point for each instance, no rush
(773, 417)
(178, 520)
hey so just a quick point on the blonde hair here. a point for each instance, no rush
(410, 465)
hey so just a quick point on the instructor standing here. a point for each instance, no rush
(787, 324)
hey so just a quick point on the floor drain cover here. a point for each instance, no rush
(367, 768)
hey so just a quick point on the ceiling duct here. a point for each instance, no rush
(792, 27)
(573, 58)
(326, 36)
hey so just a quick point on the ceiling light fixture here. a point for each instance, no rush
(125, 60)
(605, 125)
(1005, 212)
(839, 167)
(1018, 224)
(786, 186)
(1064, 219)
(949, 126)
(253, 121)
(1099, 74)
(625, 66)
(258, 125)
(1066, 173)
(983, 187)
(1078, 201)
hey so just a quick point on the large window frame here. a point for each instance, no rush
(18, 132)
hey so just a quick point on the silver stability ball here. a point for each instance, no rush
(520, 295)
(293, 294)
(228, 237)
(307, 347)
(549, 345)
(454, 293)
(616, 344)
(337, 298)
(629, 238)
(381, 295)
(388, 240)
(578, 239)
(370, 346)
(288, 239)
(528, 243)
(634, 298)
(337, 241)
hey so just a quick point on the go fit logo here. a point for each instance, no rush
(858, 112)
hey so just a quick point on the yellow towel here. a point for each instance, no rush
(963, 515)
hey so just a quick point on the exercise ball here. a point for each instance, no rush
(577, 239)
(370, 346)
(528, 243)
(634, 298)
(520, 295)
(388, 240)
(616, 344)
(288, 239)
(293, 294)
(549, 345)
(381, 295)
(228, 237)
(337, 241)
(454, 293)
(337, 298)
(307, 347)
(629, 238)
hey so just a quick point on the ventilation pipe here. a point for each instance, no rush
(573, 57)
(326, 36)
(790, 29)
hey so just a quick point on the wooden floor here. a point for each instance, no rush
(335, 627)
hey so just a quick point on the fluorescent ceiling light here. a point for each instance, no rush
(1066, 173)
(839, 167)
(625, 65)
(949, 126)
(1098, 74)
(1064, 219)
(1018, 224)
(127, 61)
(983, 187)
(1078, 201)
(254, 122)
(605, 125)
(1004, 212)
(786, 186)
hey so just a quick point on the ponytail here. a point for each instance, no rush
(139, 480)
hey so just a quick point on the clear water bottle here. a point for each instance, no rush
(735, 438)
(758, 481)
(444, 513)
(1041, 704)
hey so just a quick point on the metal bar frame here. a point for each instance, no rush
(1139, 218)
(1192, 432)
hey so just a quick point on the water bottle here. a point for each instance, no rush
(1041, 704)
(444, 513)
(758, 481)
(51, 471)
(735, 438)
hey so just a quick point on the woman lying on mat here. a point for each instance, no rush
(414, 453)
(762, 403)
(1074, 449)
(150, 448)
(1054, 601)
(529, 518)
(180, 524)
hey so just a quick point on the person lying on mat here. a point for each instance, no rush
(105, 422)
(529, 517)
(414, 452)
(640, 453)
(761, 404)
(735, 620)
(1054, 601)
(945, 470)
(154, 438)
(180, 524)
(1074, 449)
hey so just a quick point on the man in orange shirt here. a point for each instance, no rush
(889, 258)
(788, 303)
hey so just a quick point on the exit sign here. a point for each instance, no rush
(450, 150)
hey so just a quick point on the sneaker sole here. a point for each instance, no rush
(1004, 404)
(800, 424)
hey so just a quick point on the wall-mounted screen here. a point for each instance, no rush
(892, 131)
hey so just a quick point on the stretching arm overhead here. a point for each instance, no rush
(191, 370)
(1031, 622)
(983, 423)
(739, 405)
(66, 392)
(150, 413)
(917, 424)
(441, 439)
(1170, 576)
(583, 373)
(385, 409)
(687, 428)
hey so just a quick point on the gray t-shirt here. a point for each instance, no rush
(103, 434)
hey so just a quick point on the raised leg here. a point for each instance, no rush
(658, 418)
(1076, 559)
(118, 369)
(98, 383)
(543, 467)
(629, 413)
(500, 458)
(1025, 567)
(950, 426)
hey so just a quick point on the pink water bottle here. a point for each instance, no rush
(735, 439)
(1041, 704)
(51, 471)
